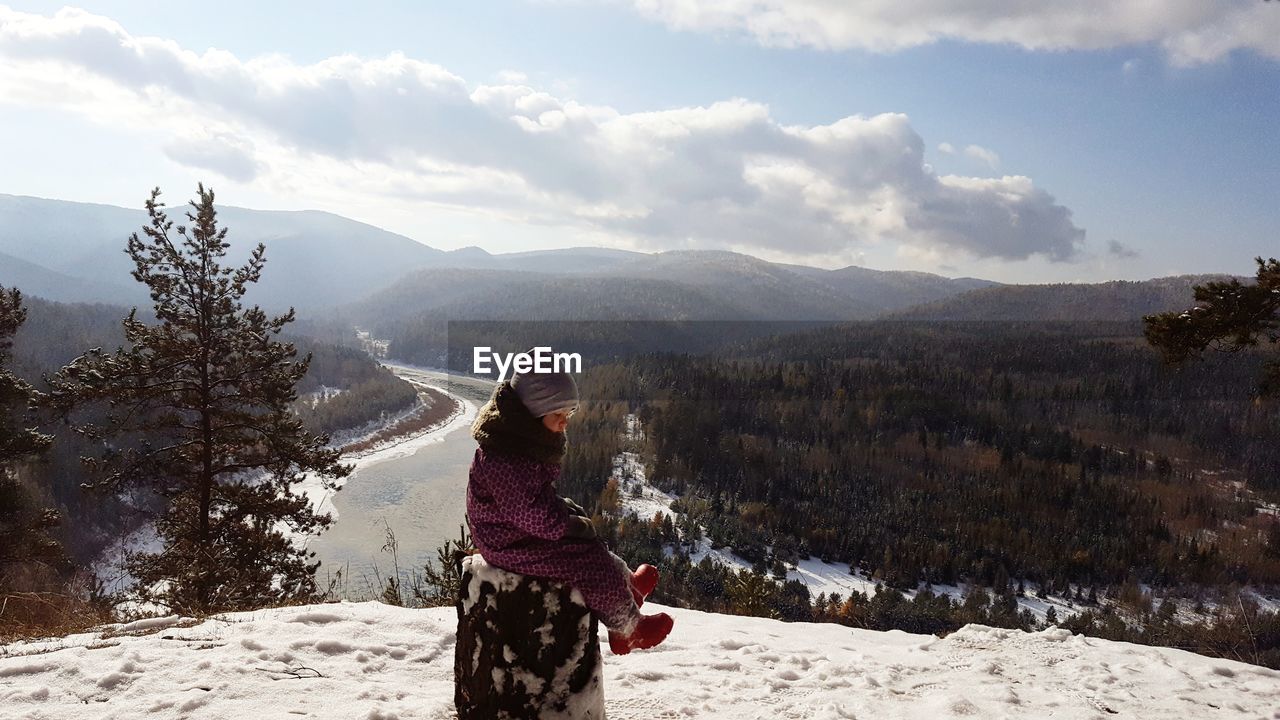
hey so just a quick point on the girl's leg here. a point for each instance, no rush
(607, 589)
(602, 577)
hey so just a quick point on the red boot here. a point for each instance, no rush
(643, 581)
(651, 630)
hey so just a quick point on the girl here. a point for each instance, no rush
(518, 523)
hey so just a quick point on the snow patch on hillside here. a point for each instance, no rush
(369, 661)
(324, 394)
(637, 494)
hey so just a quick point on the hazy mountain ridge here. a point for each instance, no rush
(557, 260)
(314, 258)
(672, 285)
(40, 281)
(1112, 300)
(325, 264)
(763, 290)
(889, 290)
(591, 298)
(318, 261)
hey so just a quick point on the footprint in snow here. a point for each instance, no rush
(333, 647)
(637, 709)
(27, 669)
(834, 711)
(317, 618)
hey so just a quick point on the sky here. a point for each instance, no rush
(1017, 141)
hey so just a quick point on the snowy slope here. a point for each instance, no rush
(369, 661)
(637, 494)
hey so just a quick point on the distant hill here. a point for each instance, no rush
(339, 270)
(759, 289)
(1115, 300)
(674, 285)
(335, 269)
(470, 294)
(559, 260)
(37, 280)
(888, 290)
(797, 292)
(595, 298)
(693, 286)
(314, 259)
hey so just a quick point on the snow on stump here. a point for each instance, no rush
(527, 648)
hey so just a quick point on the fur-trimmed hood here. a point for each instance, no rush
(505, 425)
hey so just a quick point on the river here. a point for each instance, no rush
(417, 489)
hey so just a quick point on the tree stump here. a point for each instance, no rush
(527, 648)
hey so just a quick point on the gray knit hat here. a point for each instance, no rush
(545, 393)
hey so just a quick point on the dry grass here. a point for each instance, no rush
(436, 408)
(33, 615)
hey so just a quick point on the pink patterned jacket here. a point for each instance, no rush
(512, 506)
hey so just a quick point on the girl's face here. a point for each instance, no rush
(557, 421)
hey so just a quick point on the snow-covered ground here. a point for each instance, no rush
(322, 395)
(373, 346)
(368, 661)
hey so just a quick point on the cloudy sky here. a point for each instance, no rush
(1017, 140)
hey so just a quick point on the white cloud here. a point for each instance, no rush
(230, 156)
(1190, 31)
(947, 148)
(977, 152)
(512, 77)
(399, 129)
(1120, 250)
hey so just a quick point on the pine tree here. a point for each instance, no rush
(441, 582)
(199, 415)
(24, 525)
(1230, 316)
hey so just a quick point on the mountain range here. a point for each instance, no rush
(329, 266)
